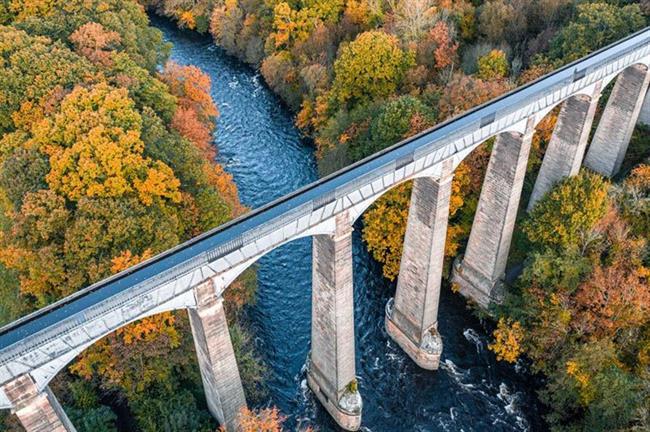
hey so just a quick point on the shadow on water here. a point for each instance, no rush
(260, 147)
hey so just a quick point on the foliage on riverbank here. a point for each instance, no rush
(105, 162)
(581, 309)
(364, 74)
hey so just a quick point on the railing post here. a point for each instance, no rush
(412, 318)
(607, 150)
(219, 372)
(331, 367)
(479, 276)
(38, 411)
(566, 149)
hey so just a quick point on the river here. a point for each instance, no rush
(260, 147)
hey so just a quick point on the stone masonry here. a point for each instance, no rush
(331, 369)
(644, 116)
(413, 319)
(37, 411)
(219, 371)
(566, 149)
(609, 145)
(481, 271)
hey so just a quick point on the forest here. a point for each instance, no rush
(106, 159)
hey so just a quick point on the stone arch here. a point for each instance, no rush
(224, 279)
(43, 374)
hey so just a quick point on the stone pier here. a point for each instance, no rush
(644, 116)
(221, 381)
(38, 411)
(480, 273)
(412, 318)
(609, 145)
(566, 149)
(331, 370)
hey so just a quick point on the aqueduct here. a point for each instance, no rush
(194, 275)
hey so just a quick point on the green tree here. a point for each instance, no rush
(596, 25)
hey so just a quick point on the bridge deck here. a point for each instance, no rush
(222, 235)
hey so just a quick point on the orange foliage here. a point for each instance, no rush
(227, 188)
(192, 86)
(265, 420)
(639, 178)
(187, 20)
(94, 42)
(126, 259)
(616, 294)
(188, 124)
(464, 92)
(95, 149)
(445, 47)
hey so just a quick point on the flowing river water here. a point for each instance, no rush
(260, 147)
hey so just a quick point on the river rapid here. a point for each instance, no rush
(260, 147)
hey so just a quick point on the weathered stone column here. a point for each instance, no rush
(608, 148)
(412, 318)
(479, 275)
(644, 116)
(38, 411)
(219, 372)
(331, 370)
(566, 149)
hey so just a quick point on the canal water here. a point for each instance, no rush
(265, 154)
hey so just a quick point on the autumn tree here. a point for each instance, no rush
(412, 18)
(95, 43)
(94, 148)
(464, 92)
(371, 66)
(31, 68)
(567, 214)
(493, 65)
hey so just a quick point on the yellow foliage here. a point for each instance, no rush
(385, 226)
(290, 25)
(150, 328)
(28, 8)
(187, 20)
(508, 337)
(582, 379)
(358, 11)
(126, 259)
(95, 149)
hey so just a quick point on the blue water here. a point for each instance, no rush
(265, 154)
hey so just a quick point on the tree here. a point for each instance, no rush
(385, 226)
(95, 43)
(142, 43)
(566, 215)
(31, 68)
(414, 17)
(265, 420)
(596, 25)
(464, 92)
(398, 119)
(192, 86)
(371, 66)
(507, 340)
(493, 66)
(95, 150)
